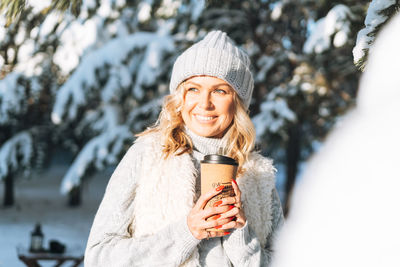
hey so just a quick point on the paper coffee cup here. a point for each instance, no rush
(217, 170)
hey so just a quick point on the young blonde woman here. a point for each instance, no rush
(153, 214)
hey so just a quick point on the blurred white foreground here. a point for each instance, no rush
(345, 212)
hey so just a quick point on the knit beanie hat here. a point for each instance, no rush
(216, 55)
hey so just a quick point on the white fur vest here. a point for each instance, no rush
(166, 191)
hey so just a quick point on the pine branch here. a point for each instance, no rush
(14, 8)
(362, 62)
(388, 13)
(64, 5)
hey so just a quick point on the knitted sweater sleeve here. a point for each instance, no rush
(244, 249)
(110, 242)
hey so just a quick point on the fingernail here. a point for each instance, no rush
(234, 181)
(216, 217)
(216, 204)
(219, 188)
(218, 226)
(227, 233)
(231, 207)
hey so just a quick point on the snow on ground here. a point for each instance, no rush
(38, 200)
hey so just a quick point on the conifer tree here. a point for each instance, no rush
(108, 68)
(98, 70)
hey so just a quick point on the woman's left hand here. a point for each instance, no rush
(237, 209)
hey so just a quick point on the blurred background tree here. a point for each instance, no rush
(85, 75)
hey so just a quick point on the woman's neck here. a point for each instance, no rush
(206, 145)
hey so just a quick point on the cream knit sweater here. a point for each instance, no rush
(128, 231)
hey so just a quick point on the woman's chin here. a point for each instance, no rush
(206, 132)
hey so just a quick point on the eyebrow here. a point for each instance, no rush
(192, 83)
(199, 85)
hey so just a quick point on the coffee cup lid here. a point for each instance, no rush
(218, 159)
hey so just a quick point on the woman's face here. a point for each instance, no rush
(208, 106)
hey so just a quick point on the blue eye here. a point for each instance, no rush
(220, 91)
(192, 89)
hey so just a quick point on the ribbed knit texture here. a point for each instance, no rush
(188, 241)
(206, 145)
(211, 251)
(216, 55)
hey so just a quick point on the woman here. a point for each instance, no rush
(152, 213)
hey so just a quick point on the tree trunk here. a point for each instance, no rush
(8, 200)
(292, 161)
(74, 197)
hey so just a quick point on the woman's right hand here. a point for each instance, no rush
(196, 219)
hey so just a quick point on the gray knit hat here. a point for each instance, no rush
(216, 55)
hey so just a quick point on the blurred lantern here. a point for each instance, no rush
(36, 239)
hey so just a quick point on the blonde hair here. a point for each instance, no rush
(239, 138)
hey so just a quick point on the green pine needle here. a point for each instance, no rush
(14, 8)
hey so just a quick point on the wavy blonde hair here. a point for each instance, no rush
(239, 138)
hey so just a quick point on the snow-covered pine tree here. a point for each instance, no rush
(118, 86)
(378, 14)
(304, 79)
(323, 81)
(113, 60)
(26, 83)
(113, 63)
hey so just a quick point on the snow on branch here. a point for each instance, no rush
(75, 92)
(379, 86)
(150, 109)
(273, 116)
(16, 154)
(12, 97)
(100, 151)
(336, 24)
(374, 19)
(100, 120)
(197, 8)
(265, 63)
(76, 37)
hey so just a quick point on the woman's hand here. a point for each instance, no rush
(235, 212)
(228, 214)
(196, 219)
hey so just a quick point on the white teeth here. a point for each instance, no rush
(204, 118)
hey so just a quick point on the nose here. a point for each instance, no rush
(205, 101)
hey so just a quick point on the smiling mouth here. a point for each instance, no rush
(204, 118)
